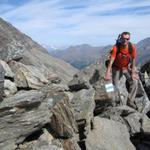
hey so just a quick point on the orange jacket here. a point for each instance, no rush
(123, 57)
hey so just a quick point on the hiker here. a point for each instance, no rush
(122, 62)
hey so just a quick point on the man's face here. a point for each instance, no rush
(125, 39)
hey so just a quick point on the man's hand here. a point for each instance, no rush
(134, 76)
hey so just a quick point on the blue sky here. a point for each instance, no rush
(66, 22)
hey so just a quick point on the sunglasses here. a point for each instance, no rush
(126, 39)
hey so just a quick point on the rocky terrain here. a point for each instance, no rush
(49, 105)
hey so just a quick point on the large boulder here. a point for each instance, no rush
(63, 124)
(127, 116)
(83, 104)
(78, 83)
(63, 121)
(108, 135)
(21, 115)
(27, 76)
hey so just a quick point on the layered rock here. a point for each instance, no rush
(29, 111)
(21, 115)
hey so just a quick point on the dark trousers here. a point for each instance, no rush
(133, 84)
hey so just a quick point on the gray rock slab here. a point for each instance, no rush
(21, 115)
(83, 104)
(108, 135)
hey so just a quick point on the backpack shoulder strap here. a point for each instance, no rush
(117, 49)
(130, 47)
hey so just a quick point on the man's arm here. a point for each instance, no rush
(112, 58)
(133, 68)
(134, 74)
(133, 65)
(108, 70)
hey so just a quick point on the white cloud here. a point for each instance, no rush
(70, 22)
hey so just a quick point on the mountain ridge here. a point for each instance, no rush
(32, 53)
(83, 55)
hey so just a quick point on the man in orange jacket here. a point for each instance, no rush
(121, 57)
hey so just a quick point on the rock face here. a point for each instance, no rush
(34, 100)
(29, 111)
(15, 46)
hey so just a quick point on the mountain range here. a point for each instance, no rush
(143, 51)
(83, 55)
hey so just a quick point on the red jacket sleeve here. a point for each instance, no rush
(113, 52)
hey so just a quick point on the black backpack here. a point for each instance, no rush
(118, 43)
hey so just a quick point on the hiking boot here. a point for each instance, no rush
(131, 104)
